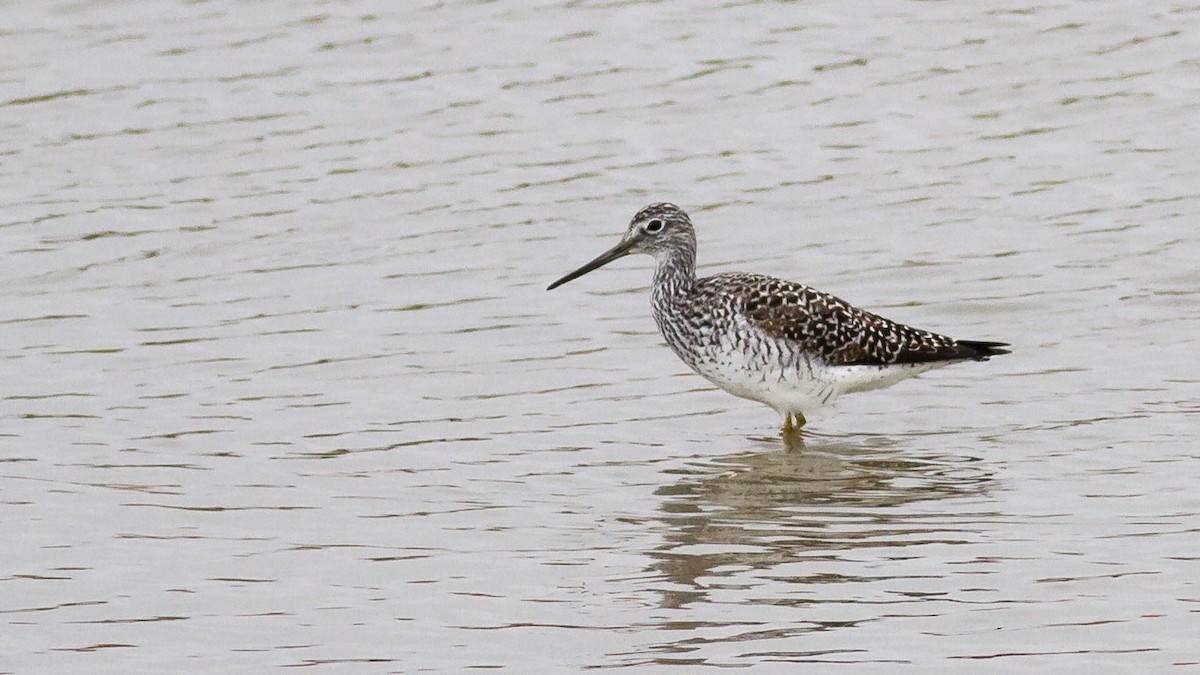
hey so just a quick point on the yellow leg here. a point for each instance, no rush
(788, 427)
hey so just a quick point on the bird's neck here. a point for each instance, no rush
(675, 274)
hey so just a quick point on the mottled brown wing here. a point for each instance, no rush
(841, 333)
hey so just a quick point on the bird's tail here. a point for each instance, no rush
(983, 350)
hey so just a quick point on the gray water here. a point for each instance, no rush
(281, 387)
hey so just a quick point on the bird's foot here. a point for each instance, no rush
(790, 430)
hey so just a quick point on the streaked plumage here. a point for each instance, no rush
(789, 346)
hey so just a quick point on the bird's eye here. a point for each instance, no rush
(654, 226)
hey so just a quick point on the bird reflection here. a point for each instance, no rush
(760, 508)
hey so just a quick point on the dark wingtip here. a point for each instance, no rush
(982, 351)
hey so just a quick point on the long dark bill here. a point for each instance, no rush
(618, 251)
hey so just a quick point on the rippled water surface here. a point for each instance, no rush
(280, 384)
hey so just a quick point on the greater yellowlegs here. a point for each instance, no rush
(769, 340)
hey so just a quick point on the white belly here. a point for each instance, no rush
(798, 385)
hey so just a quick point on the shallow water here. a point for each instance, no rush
(282, 386)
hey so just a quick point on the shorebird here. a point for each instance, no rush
(784, 344)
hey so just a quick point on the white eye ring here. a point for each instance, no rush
(653, 226)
